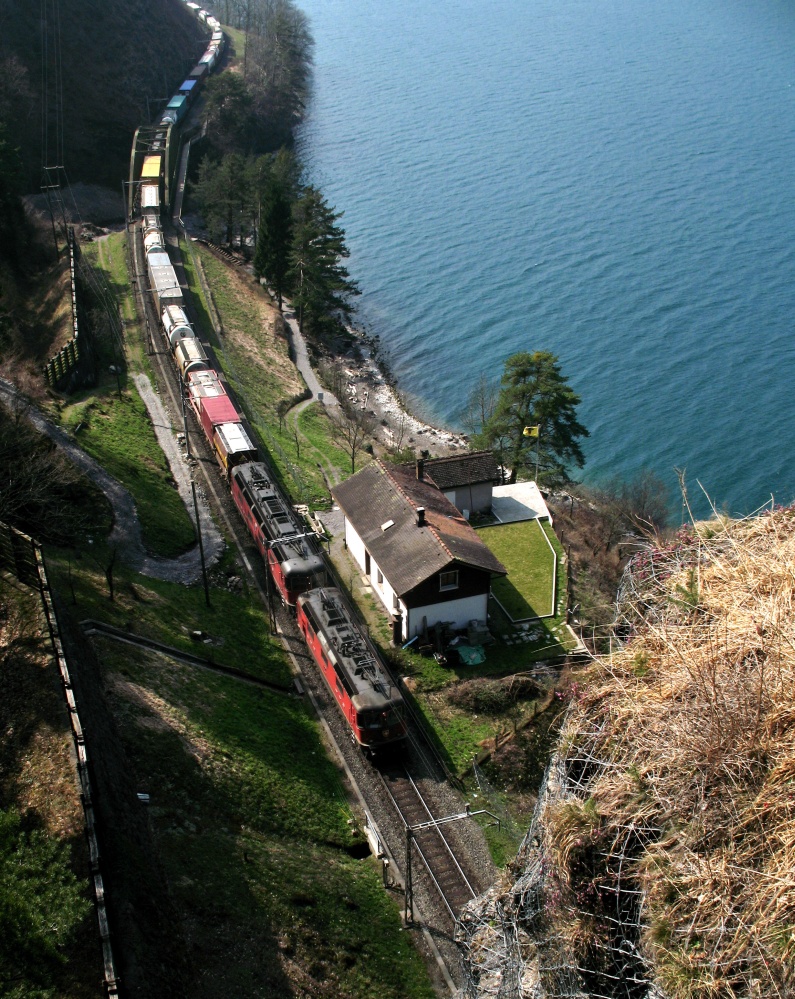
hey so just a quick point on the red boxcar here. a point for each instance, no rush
(215, 410)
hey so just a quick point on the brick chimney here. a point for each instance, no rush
(420, 516)
(420, 468)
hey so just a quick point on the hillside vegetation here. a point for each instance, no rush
(115, 55)
(662, 856)
(48, 939)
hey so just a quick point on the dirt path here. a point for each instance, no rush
(395, 426)
(126, 534)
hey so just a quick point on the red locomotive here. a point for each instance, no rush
(371, 703)
(292, 554)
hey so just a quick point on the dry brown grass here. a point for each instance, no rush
(252, 324)
(42, 324)
(37, 769)
(681, 750)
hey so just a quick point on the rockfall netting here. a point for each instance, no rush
(661, 860)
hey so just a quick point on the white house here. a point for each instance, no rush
(423, 560)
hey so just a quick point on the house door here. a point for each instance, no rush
(367, 569)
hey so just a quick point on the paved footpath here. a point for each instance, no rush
(301, 354)
(126, 533)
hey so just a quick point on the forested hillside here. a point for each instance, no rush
(114, 55)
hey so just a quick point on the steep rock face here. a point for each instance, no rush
(661, 860)
(114, 55)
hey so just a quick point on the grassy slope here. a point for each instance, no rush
(253, 826)
(118, 432)
(168, 612)
(119, 435)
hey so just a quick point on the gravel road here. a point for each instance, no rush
(126, 533)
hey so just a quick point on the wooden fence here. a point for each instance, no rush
(68, 356)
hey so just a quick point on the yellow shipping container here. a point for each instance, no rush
(151, 167)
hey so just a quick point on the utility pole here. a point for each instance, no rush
(201, 543)
(184, 416)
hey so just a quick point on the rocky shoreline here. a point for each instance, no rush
(397, 427)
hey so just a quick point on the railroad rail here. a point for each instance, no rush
(426, 837)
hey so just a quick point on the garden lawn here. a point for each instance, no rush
(526, 551)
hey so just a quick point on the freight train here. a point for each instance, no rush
(363, 690)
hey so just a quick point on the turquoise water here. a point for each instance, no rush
(611, 180)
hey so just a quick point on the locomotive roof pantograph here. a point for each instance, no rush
(279, 523)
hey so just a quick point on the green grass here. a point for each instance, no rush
(169, 613)
(315, 425)
(254, 831)
(195, 288)
(234, 311)
(48, 926)
(460, 735)
(296, 465)
(237, 42)
(112, 258)
(117, 432)
(528, 591)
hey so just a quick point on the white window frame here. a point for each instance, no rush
(451, 584)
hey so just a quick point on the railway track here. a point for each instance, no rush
(427, 840)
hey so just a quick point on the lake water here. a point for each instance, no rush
(610, 180)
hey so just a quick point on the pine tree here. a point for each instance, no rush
(274, 237)
(320, 284)
(535, 394)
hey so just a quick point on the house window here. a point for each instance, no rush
(448, 580)
(395, 602)
(380, 578)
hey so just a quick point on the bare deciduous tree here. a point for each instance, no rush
(481, 403)
(41, 492)
(352, 429)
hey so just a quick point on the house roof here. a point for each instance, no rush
(469, 469)
(408, 554)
